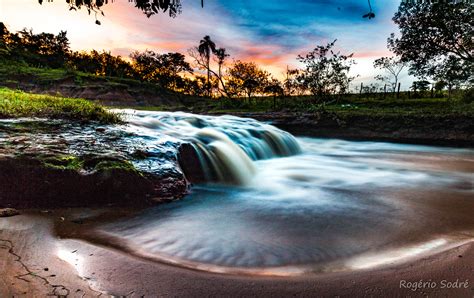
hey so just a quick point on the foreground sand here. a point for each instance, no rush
(35, 263)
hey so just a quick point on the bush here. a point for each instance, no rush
(468, 95)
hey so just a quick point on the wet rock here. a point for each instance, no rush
(55, 164)
(7, 212)
(190, 164)
(55, 182)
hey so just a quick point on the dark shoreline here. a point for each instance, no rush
(420, 130)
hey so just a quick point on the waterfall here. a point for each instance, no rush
(217, 149)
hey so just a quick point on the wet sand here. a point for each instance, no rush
(35, 263)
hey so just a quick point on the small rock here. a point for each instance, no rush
(100, 129)
(7, 212)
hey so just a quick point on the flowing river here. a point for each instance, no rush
(265, 202)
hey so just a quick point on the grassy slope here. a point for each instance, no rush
(14, 104)
(14, 73)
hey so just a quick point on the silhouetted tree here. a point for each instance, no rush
(440, 85)
(326, 71)
(420, 86)
(4, 34)
(206, 48)
(221, 54)
(454, 74)
(44, 49)
(274, 89)
(246, 78)
(165, 69)
(393, 67)
(292, 85)
(202, 61)
(431, 33)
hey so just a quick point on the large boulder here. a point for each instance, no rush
(68, 181)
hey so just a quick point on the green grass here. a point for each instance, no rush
(350, 105)
(16, 104)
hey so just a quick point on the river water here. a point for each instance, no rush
(275, 204)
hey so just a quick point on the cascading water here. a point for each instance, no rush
(217, 149)
(287, 206)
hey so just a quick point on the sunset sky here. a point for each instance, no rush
(271, 33)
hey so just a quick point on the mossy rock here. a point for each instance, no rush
(56, 181)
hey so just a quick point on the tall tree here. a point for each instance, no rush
(220, 57)
(431, 33)
(221, 54)
(206, 48)
(393, 67)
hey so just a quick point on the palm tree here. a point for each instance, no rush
(206, 47)
(221, 55)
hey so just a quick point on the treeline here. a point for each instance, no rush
(435, 45)
(209, 74)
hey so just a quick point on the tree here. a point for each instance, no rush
(165, 69)
(421, 86)
(246, 78)
(42, 50)
(431, 33)
(440, 85)
(393, 67)
(454, 74)
(326, 71)
(291, 84)
(202, 61)
(221, 55)
(206, 48)
(274, 89)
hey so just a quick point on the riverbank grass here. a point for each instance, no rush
(16, 104)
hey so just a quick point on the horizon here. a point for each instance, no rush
(272, 35)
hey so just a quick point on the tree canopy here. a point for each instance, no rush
(326, 72)
(433, 35)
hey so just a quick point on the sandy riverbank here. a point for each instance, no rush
(35, 263)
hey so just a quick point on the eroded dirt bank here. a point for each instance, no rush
(416, 129)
